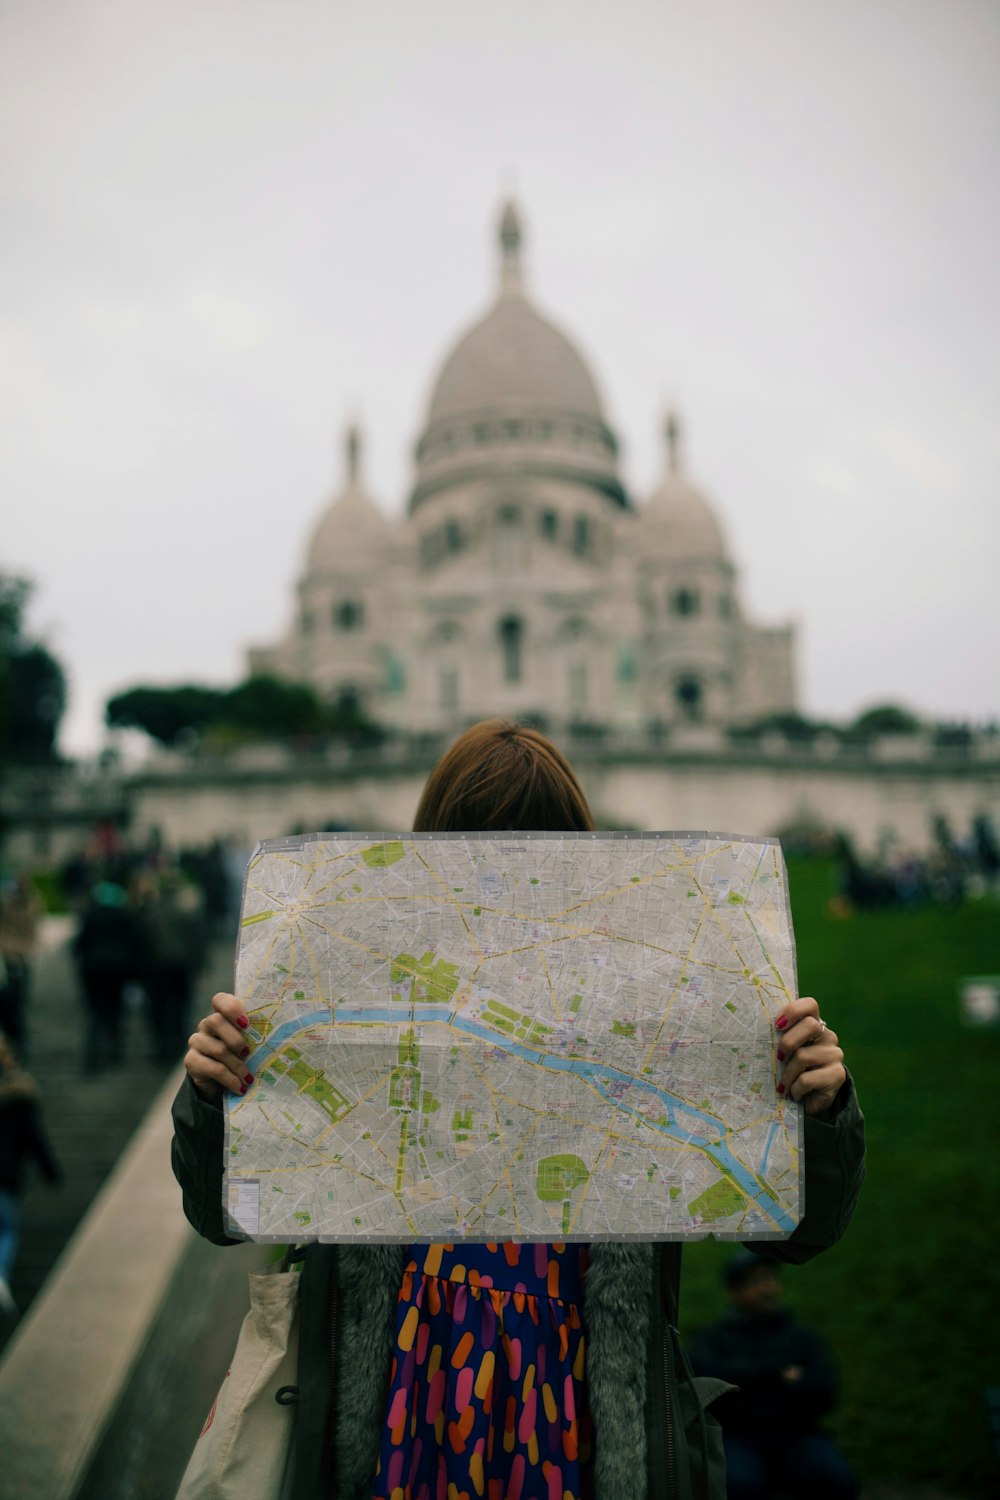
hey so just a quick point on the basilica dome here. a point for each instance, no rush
(677, 519)
(513, 356)
(514, 394)
(352, 534)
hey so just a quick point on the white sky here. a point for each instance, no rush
(229, 225)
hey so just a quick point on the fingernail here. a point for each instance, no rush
(249, 1078)
(781, 1088)
(243, 1021)
(781, 1056)
(245, 1052)
(781, 1022)
(243, 1089)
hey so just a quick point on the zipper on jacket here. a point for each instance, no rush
(671, 1441)
(332, 1473)
(661, 1437)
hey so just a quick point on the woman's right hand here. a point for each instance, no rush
(215, 1059)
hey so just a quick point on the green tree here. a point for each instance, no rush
(166, 714)
(32, 683)
(273, 708)
(886, 718)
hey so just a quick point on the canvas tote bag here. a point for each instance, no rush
(246, 1447)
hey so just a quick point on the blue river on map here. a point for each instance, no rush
(602, 1076)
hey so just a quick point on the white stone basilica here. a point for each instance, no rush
(524, 580)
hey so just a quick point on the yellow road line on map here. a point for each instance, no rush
(266, 958)
(449, 897)
(361, 1099)
(302, 1145)
(552, 989)
(313, 964)
(401, 1173)
(672, 997)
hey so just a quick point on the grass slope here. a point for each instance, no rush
(910, 1299)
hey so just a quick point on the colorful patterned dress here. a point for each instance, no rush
(487, 1395)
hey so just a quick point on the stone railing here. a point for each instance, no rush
(703, 741)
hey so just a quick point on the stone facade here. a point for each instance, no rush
(524, 579)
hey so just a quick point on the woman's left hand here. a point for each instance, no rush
(813, 1070)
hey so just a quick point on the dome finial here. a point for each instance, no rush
(510, 245)
(353, 447)
(672, 428)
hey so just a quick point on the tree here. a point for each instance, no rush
(273, 708)
(166, 714)
(886, 718)
(259, 708)
(32, 683)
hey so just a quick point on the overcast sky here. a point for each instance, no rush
(230, 225)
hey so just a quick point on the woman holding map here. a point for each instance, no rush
(509, 1371)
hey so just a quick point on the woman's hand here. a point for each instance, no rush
(813, 1061)
(216, 1051)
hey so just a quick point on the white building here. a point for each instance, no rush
(524, 579)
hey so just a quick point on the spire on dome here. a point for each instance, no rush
(510, 245)
(353, 447)
(674, 434)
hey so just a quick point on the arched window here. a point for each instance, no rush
(690, 697)
(685, 602)
(453, 538)
(548, 524)
(511, 645)
(581, 534)
(349, 614)
(509, 538)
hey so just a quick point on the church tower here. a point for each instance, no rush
(513, 515)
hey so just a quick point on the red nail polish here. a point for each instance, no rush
(249, 1078)
(781, 1057)
(781, 1022)
(781, 1088)
(243, 1089)
(243, 1021)
(245, 1052)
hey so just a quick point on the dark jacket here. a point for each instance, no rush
(107, 942)
(752, 1352)
(22, 1136)
(651, 1442)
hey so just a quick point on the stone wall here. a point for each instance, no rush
(866, 798)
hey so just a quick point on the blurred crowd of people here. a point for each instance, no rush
(951, 871)
(144, 919)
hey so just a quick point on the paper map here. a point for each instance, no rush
(514, 1036)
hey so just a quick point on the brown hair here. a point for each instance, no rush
(502, 775)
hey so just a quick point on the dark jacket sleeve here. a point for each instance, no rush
(834, 1171)
(38, 1143)
(196, 1157)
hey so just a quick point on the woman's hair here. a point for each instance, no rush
(502, 775)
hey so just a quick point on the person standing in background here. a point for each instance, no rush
(22, 1136)
(20, 913)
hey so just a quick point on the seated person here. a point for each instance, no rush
(787, 1384)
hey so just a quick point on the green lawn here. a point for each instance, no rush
(910, 1299)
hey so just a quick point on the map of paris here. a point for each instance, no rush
(514, 1036)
